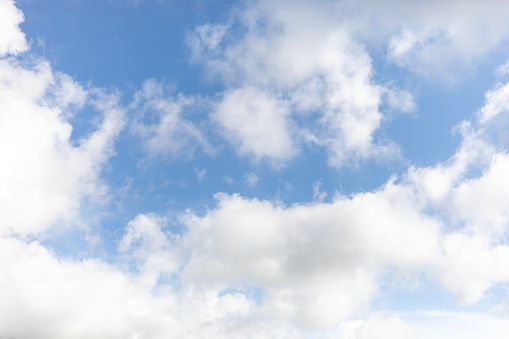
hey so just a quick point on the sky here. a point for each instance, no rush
(254, 169)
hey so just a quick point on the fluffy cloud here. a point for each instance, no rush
(47, 175)
(47, 297)
(256, 122)
(247, 268)
(322, 263)
(295, 75)
(317, 263)
(469, 192)
(432, 37)
(309, 61)
(246, 261)
(12, 39)
(46, 172)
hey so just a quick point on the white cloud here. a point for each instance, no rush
(201, 174)
(482, 201)
(317, 263)
(400, 100)
(502, 70)
(46, 173)
(497, 101)
(447, 221)
(434, 38)
(47, 176)
(162, 125)
(472, 264)
(257, 123)
(247, 268)
(309, 61)
(317, 194)
(251, 179)
(48, 297)
(149, 248)
(12, 39)
(424, 325)
(229, 180)
(315, 79)
(469, 192)
(206, 39)
(378, 327)
(445, 325)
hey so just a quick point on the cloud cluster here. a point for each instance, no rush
(299, 73)
(248, 268)
(433, 38)
(322, 263)
(294, 75)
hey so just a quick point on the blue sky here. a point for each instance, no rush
(258, 169)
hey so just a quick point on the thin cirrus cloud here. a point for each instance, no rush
(252, 267)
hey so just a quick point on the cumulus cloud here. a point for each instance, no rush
(432, 37)
(318, 263)
(47, 175)
(56, 298)
(469, 193)
(322, 263)
(247, 268)
(295, 76)
(310, 62)
(256, 122)
(315, 265)
(12, 39)
(48, 172)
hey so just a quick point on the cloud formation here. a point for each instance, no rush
(161, 124)
(299, 66)
(434, 38)
(249, 267)
(46, 173)
(12, 39)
